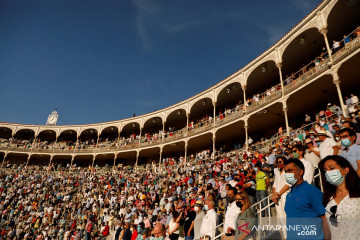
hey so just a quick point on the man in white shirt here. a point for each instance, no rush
(208, 226)
(232, 212)
(354, 99)
(298, 152)
(328, 146)
(312, 153)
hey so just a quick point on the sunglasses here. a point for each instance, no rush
(280, 162)
(333, 217)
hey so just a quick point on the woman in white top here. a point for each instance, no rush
(341, 187)
(280, 190)
(173, 229)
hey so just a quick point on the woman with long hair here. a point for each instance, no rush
(341, 197)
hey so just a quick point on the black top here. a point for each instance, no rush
(190, 217)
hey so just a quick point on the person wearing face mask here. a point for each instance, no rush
(158, 232)
(327, 146)
(341, 197)
(208, 225)
(232, 211)
(246, 216)
(280, 190)
(189, 221)
(262, 184)
(118, 231)
(303, 203)
(298, 152)
(127, 232)
(351, 151)
(311, 153)
(198, 219)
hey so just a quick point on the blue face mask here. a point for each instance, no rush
(334, 177)
(345, 142)
(290, 178)
(157, 238)
(312, 137)
(256, 169)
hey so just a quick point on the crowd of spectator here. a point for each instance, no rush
(188, 199)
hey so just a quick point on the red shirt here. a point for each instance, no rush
(328, 112)
(134, 235)
(106, 231)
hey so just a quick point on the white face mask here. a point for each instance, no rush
(196, 208)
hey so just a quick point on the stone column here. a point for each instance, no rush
(28, 159)
(187, 122)
(72, 161)
(214, 115)
(324, 32)
(118, 140)
(244, 91)
(214, 138)
(279, 65)
(160, 158)
(137, 158)
(114, 162)
(246, 135)
(93, 162)
(185, 155)
(285, 109)
(51, 158)
(163, 132)
(336, 81)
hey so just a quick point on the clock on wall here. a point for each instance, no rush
(53, 117)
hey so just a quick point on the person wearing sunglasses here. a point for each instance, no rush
(246, 219)
(341, 197)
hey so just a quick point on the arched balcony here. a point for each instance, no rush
(201, 115)
(175, 125)
(342, 20)
(23, 139)
(129, 135)
(45, 139)
(229, 104)
(263, 85)
(88, 138)
(66, 140)
(302, 53)
(152, 131)
(5, 135)
(109, 137)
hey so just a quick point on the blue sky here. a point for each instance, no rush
(103, 60)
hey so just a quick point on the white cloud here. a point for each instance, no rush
(172, 18)
(305, 5)
(274, 33)
(145, 10)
